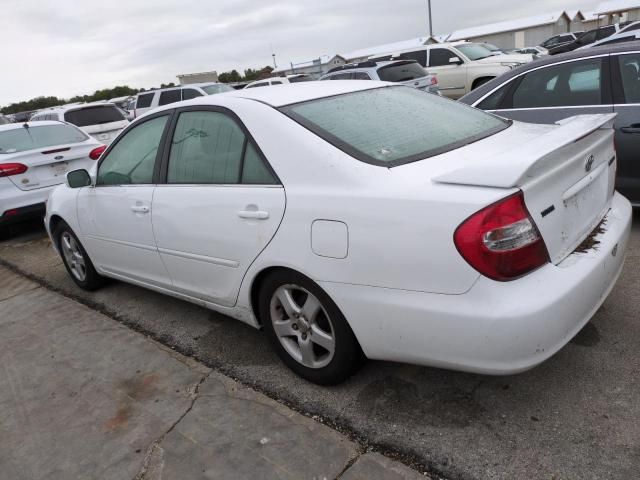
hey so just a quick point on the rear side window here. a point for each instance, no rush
(189, 93)
(341, 76)
(394, 125)
(630, 72)
(493, 101)
(132, 159)
(568, 84)
(419, 56)
(361, 76)
(144, 101)
(628, 38)
(169, 96)
(210, 148)
(94, 115)
(633, 26)
(36, 137)
(401, 72)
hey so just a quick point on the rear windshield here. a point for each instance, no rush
(394, 125)
(35, 137)
(402, 72)
(220, 88)
(94, 115)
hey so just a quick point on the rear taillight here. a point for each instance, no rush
(434, 80)
(8, 169)
(501, 241)
(96, 152)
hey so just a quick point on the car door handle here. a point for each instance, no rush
(140, 208)
(253, 214)
(635, 128)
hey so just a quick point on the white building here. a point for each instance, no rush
(315, 68)
(517, 33)
(201, 77)
(364, 53)
(614, 11)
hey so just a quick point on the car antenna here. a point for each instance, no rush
(26, 126)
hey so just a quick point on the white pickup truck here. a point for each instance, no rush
(461, 66)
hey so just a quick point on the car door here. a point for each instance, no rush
(625, 69)
(452, 77)
(115, 215)
(218, 207)
(553, 92)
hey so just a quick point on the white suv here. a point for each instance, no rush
(406, 72)
(460, 66)
(103, 121)
(146, 101)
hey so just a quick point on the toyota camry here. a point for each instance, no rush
(354, 220)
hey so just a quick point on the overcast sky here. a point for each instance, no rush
(70, 47)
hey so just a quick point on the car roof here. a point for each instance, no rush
(279, 97)
(79, 106)
(479, 92)
(15, 126)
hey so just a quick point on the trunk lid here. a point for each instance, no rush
(566, 173)
(47, 167)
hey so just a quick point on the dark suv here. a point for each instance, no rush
(587, 38)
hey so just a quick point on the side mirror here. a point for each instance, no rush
(455, 60)
(78, 179)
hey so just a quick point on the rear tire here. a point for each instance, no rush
(75, 259)
(307, 330)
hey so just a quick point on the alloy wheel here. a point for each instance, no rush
(74, 257)
(302, 326)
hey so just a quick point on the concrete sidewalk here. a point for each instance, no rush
(82, 396)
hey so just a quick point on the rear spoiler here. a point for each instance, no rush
(512, 168)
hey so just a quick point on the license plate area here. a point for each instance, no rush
(59, 169)
(584, 205)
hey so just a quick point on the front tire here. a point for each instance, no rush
(307, 330)
(75, 259)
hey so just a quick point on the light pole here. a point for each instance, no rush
(430, 22)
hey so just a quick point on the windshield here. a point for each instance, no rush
(390, 126)
(473, 51)
(401, 72)
(218, 88)
(99, 115)
(22, 139)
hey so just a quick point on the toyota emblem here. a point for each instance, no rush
(589, 163)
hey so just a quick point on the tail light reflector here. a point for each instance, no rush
(434, 80)
(9, 169)
(96, 152)
(502, 241)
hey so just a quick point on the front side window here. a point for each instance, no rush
(38, 136)
(341, 76)
(169, 96)
(361, 76)
(189, 93)
(630, 73)
(132, 159)
(568, 84)
(210, 148)
(551, 42)
(401, 72)
(605, 32)
(94, 115)
(393, 125)
(439, 57)
(633, 26)
(276, 82)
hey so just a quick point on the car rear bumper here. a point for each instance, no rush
(496, 327)
(19, 205)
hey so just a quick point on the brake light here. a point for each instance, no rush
(96, 152)
(434, 80)
(502, 241)
(9, 169)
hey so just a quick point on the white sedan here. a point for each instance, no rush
(358, 219)
(34, 158)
